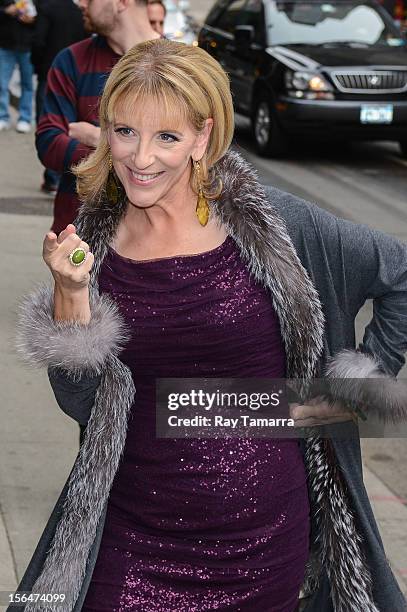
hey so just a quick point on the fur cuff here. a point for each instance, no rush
(357, 380)
(75, 347)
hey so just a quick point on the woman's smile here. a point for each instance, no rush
(142, 178)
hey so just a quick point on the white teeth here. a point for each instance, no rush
(144, 177)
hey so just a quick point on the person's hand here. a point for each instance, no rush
(27, 19)
(85, 132)
(318, 411)
(69, 279)
(11, 10)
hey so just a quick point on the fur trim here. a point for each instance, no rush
(357, 380)
(270, 254)
(73, 346)
(336, 536)
(88, 489)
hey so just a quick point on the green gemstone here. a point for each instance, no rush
(78, 256)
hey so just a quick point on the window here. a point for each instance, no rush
(232, 16)
(215, 11)
(321, 23)
(254, 16)
(243, 12)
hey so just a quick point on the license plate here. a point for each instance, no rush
(371, 113)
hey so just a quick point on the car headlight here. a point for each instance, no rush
(307, 85)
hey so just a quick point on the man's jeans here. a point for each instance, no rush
(8, 60)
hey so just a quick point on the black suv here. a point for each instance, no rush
(312, 68)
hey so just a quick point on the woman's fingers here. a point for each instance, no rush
(70, 229)
(50, 243)
(73, 242)
(69, 245)
(321, 413)
(90, 258)
(319, 410)
(312, 422)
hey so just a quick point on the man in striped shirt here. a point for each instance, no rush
(68, 128)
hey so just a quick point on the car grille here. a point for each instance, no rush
(370, 81)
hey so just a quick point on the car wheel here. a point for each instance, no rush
(268, 135)
(403, 147)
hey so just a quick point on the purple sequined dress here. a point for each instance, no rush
(199, 524)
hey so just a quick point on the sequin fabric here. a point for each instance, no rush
(199, 524)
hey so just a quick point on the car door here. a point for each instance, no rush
(248, 57)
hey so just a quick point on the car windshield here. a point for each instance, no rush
(323, 23)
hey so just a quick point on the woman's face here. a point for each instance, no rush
(152, 157)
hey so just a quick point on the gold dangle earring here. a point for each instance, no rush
(202, 207)
(112, 188)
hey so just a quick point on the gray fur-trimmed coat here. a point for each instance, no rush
(320, 270)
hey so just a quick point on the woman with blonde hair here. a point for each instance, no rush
(181, 265)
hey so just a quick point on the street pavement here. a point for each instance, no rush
(38, 443)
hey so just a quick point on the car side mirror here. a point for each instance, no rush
(244, 36)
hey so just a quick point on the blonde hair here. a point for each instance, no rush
(185, 83)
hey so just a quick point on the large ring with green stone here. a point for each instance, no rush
(77, 257)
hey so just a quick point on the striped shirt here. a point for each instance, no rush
(74, 84)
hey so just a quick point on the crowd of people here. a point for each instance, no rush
(32, 36)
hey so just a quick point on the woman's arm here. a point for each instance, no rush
(74, 398)
(350, 263)
(70, 329)
(368, 264)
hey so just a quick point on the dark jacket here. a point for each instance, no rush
(319, 270)
(59, 24)
(14, 34)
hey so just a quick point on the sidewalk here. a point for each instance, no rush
(38, 443)
(33, 468)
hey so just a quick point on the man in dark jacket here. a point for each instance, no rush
(16, 30)
(59, 24)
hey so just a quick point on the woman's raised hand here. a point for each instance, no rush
(56, 251)
(71, 294)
